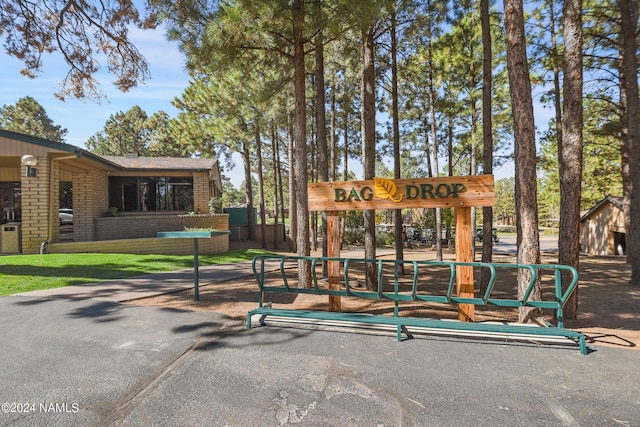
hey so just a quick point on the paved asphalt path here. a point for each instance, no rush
(89, 361)
(507, 244)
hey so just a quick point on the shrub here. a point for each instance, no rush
(353, 236)
(385, 238)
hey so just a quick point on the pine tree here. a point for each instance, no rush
(27, 116)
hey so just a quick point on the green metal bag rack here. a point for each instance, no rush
(415, 293)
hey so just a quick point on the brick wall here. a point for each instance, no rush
(136, 226)
(214, 245)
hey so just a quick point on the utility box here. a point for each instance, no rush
(239, 216)
(10, 238)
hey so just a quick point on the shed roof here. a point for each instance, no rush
(616, 201)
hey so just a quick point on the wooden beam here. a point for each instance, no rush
(464, 253)
(333, 251)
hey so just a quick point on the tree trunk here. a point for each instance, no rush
(487, 137)
(429, 128)
(301, 174)
(334, 137)
(277, 183)
(473, 157)
(625, 155)
(556, 74)
(293, 200)
(525, 152)
(280, 186)
(450, 145)
(345, 169)
(434, 138)
(450, 173)
(397, 213)
(369, 149)
(313, 177)
(629, 14)
(263, 217)
(570, 149)
(246, 160)
(321, 119)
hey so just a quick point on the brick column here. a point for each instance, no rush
(55, 201)
(35, 206)
(201, 192)
(90, 200)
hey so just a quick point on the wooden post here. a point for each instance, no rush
(333, 251)
(464, 253)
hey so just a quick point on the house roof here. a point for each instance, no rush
(54, 145)
(616, 201)
(162, 163)
(131, 163)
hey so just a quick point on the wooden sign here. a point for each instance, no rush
(384, 193)
(460, 192)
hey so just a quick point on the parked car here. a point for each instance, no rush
(66, 216)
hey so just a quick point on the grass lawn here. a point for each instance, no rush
(23, 273)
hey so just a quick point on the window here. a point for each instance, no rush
(65, 209)
(150, 194)
(10, 202)
(65, 195)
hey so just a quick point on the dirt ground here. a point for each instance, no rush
(608, 313)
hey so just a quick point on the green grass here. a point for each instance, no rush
(23, 273)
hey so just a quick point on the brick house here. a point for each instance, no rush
(602, 230)
(65, 199)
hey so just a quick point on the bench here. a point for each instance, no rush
(392, 285)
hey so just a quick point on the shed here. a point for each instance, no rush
(602, 229)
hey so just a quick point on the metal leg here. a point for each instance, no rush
(583, 345)
(406, 332)
(196, 273)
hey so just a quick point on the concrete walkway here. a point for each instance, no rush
(148, 285)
